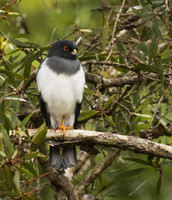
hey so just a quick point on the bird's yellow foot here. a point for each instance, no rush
(62, 127)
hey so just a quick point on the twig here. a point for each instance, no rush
(35, 178)
(156, 131)
(167, 5)
(29, 193)
(8, 4)
(76, 30)
(3, 17)
(114, 29)
(160, 100)
(109, 63)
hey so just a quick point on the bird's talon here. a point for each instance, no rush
(63, 128)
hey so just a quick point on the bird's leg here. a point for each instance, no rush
(62, 127)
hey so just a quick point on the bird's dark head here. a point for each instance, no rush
(64, 49)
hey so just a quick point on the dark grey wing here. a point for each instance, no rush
(56, 160)
(77, 112)
(44, 112)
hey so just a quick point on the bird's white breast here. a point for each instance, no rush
(60, 92)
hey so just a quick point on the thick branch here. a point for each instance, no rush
(125, 142)
(118, 81)
(156, 131)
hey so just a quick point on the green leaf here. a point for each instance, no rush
(28, 61)
(127, 118)
(11, 74)
(159, 67)
(144, 104)
(2, 154)
(13, 13)
(9, 194)
(10, 13)
(30, 168)
(9, 67)
(120, 46)
(5, 121)
(31, 155)
(155, 28)
(14, 154)
(137, 160)
(147, 68)
(9, 178)
(17, 181)
(9, 149)
(141, 115)
(107, 186)
(88, 91)
(19, 43)
(23, 170)
(144, 48)
(87, 115)
(41, 155)
(85, 30)
(25, 120)
(109, 119)
(108, 102)
(105, 34)
(132, 172)
(40, 134)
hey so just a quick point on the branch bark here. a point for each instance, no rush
(118, 81)
(108, 139)
(62, 185)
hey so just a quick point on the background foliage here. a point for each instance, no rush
(130, 44)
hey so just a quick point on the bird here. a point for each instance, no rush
(60, 82)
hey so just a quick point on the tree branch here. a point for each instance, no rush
(92, 174)
(156, 131)
(118, 81)
(108, 139)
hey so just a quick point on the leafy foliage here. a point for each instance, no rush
(126, 52)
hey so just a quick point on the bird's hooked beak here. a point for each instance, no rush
(74, 52)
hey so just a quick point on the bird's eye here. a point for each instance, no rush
(66, 48)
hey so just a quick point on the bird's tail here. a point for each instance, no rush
(64, 158)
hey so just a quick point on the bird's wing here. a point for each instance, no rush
(77, 112)
(42, 103)
(44, 112)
